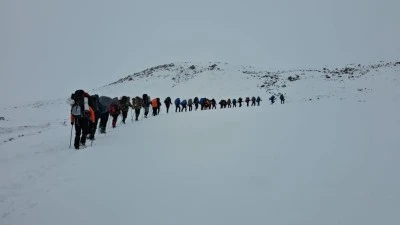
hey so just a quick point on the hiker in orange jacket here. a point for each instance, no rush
(154, 105)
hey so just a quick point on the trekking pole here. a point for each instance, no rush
(70, 138)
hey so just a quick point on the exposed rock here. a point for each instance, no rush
(290, 78)
(213, 66)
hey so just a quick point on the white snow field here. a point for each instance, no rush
(333, 159)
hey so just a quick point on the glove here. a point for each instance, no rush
(72, 123)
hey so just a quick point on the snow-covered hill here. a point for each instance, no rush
(328, 156)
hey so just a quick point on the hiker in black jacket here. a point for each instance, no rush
(282, 99)
(240, 100)
(258, 100)
(167, 103)
(196, 103)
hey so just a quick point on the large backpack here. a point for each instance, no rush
(196, 100)
(167, 101)
(124, 99)
(190, 102)
(114, 108)
(95, 103)
(81, 103)
(154, 103)
(177, 101)
(138, 103)
(146, 101)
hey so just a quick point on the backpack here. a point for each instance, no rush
(145, 100)
(81, 103)
(190, 102)
(94, 103)
(124, 99)
(247, 99)
(138, 102)
(234, 101)
(154, 103)
(167, 101)
(114, 108)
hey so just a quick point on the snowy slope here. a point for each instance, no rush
(329, 160)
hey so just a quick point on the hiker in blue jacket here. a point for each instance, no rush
(234, 102)
(184, 103)
(177, 104)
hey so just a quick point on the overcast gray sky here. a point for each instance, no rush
(51, 47)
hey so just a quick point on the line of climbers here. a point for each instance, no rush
(90, 111)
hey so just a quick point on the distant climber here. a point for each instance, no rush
(282, 99)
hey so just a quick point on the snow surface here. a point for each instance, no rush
(329, 160)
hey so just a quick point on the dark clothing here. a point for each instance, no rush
(253, 101)
(184, 107)
(282, 99)
(105, 102)
(124, 115)
(103, 122)
(177, 107)
(146, 111)
(155, 111)
(196, 106)
(81, 131)
(190, 108)
(137, 113)
(114, 121)
(158, 105)
(93, 127)
(272, 99)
